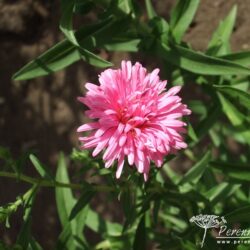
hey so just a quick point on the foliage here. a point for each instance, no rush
(157, 212)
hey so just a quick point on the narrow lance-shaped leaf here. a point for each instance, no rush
(62, 54)
(24, 236)
(235, 117)
(120, 8)
(41, 169)
(208, 122)
(177, 223)
(240, 172)
(64, 197)
(192, 134)
(219, 43)
(150, 9)
(65, 202)
(123, 44)
(182, 16)
(83, 8)
(140, 236)
(239, 215)
(221, 192)
(95, 222)
(82, 202)
(242, 58)
(127, 200)
(34, 245)
(156, 210)
(198, 107)
(198, 62)
(209, 179)
(194, 174)
(174, 177)
(67, 28)
(66, 20)
(243, 97)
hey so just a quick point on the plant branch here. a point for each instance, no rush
(47, 183)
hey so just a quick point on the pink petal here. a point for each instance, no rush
(88, 126)
(120, 167)
(173, 91)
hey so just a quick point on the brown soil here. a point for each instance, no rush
(43, 114)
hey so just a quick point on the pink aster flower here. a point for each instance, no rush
(134, 118)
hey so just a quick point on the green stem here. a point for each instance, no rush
(48, 183)
(51, 183)
(23, 198)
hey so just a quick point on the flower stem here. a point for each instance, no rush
(47, 183)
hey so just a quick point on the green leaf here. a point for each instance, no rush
(83, 8)
(5, 154)
(123, 44)
(221, 192)
(64, 53)
(7, 160)
(194, 174)
(140, 236)
(240, 134)
(121, 8)
(156, 210)
(235, 117)
(93, 59)
(209, 179)
(9, 209)
(85, 198)
(66, 25)
(241, 196)
(239, 215)
(220, 39)
(160, 28)
(198, 107)
(41, 169)
(119, 242)
(65, 202)
(242, 58)
(240, 82)
(128, 200)
(236, 171)
(150, 9)
(24, 235)
(67, 28)
(64, 197)
(178, 224)
(208, 122)
(174, 177)
(58, 57)
(68, 240)
(95, 222)
(182, 16)
(198, 62)
(64, 240)
(192, 133)
(215, 137)
(34, 245)
(242, 96)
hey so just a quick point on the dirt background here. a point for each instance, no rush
(43, 114)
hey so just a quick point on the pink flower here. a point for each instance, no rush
(134, 118)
